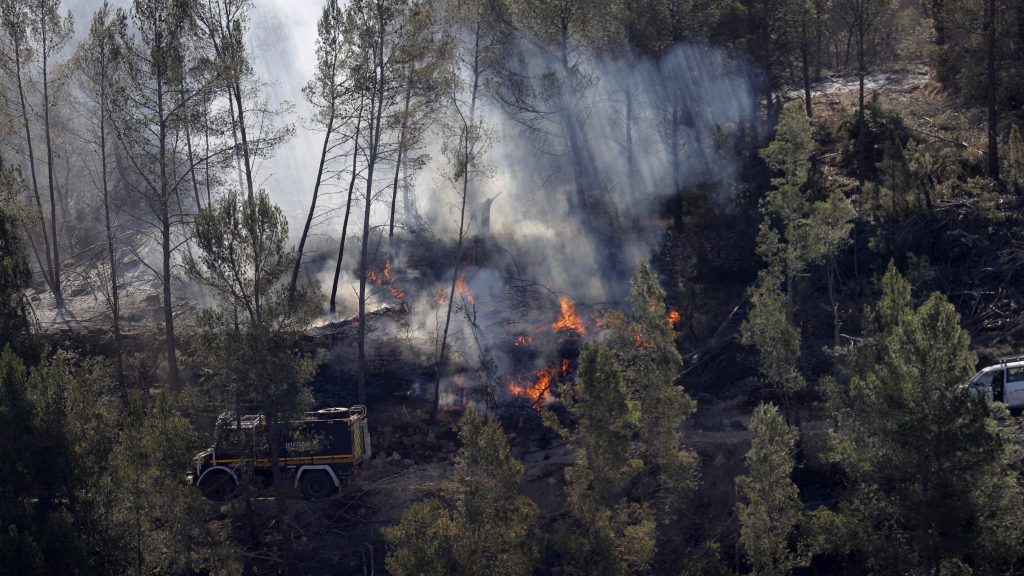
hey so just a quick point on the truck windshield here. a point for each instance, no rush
(984, 379)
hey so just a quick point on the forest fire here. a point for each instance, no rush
(537, 391)
(674, 317)
(568, 319)
(523, 340)
(463, 288)
(384, 279)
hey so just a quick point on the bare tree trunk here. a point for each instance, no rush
(206, 151)
(861, 127)
(376, 112)
(115, 306)
(677, 185)
(281, 504)
(58, 295)
(467, 150)
(348, 208)
(192, 166)
(312, 204)
(47, 270)
(401, 151)
(992, 86)
(805, 65)
(237, 91)
(165, 240)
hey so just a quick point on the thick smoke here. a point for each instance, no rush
(537, 245)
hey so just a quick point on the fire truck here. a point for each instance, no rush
(318, 451)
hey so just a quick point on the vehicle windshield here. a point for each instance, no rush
(983, 379)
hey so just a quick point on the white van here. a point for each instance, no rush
(1001, 382)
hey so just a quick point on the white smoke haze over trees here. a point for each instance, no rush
(529, 170)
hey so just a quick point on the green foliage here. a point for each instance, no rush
(241, 253)
(797, 231)
(479, 525)
(790, 151)
(961, 64)
(245, 343)
(15, 274)
(607, 532)
(775, 337)
(771, 507)
(919, 453)
(89, 489)
(160, 522)
(645, 351)
(882, 126)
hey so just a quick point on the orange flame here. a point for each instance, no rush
(565, 367)
(537, 390)
(523, 340)
(384, 279)
(568, 319)
(463, 288)
(674, 317)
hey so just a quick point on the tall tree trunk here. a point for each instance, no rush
(348, 208)
(115, 306)
(805, 64)
(401, 151)
(165, 238)
(234, 139)
(991, 85)
(48, 269)
(192, 165)
(467, 149)
(861, 128)
(312, 204)
(237, 91)
(376, 112)
(677, 184)
(57, 293)
(206, 150)
(284, 533)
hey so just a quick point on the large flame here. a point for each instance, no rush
(537, 390)
(568, 319)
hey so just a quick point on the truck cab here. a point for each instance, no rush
(1001, 382)
(316, 453)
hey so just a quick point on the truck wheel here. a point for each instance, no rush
(218, 485)
(317, 484)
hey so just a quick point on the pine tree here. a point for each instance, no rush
(99, 60)
(918, 452)
(796, 232)
(607, 532)
(645, 350)
(246, 341)
(480, 525)
(771, 509)
(15, 273)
